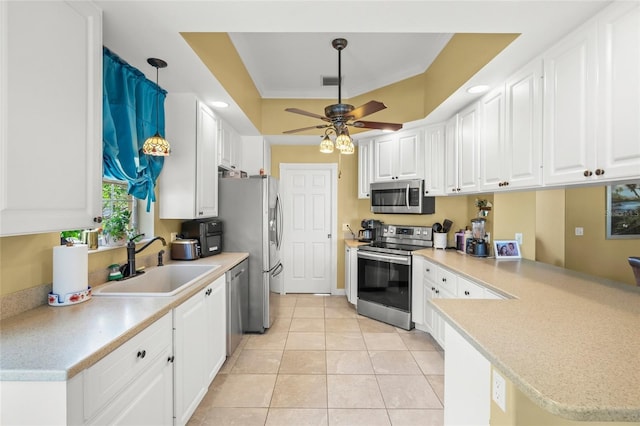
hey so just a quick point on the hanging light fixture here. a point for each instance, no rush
(156, 144)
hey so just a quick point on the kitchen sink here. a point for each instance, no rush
(161, 281)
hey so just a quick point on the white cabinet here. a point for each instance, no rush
(462, 134)
(398, 156)
(134, 383)
(256, 155)
(229, 147)
(417, 292)
(50, 116)
(492, 149)
(200, 346)
(591, 102)
(365, 167)
(351, 274)
(434, 160)
(188, 184)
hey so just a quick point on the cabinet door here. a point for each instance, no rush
(385, 152)
(469, 290)
(207, 174)
(224, 145)
(428, 294)
(618, 141)
(189, 347)
(523, 139)
(492, 146)
(409, 156)
(434, 160)
(51, 119)
(365, 163)
(451, 156)
(417, 287)
(569, 108)
(215, 330)
(468, 134)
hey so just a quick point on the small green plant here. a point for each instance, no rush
(116, 226)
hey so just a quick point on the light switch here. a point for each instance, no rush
(579, 231)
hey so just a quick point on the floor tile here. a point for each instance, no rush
(342, 324)
(236, 416)
(286, 300)
(307, 324)
(300, 391)
(255, 361)
(419, 341)
(383, 342)
(416, 417)
(280, 325)
(303, 362)
(267, 341)
(393, 362)
(338, 302)
(358, 417)
(404, 391)
(349, 362)
(310, 302)
(437, 384)
(368, 325)
(353, 391)
(346, 341)
(308, 312)
(243, 390)
(297, 417)
(430, 362)
(332, 312)
(284, 312)
(305, 341)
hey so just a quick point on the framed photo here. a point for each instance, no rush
(506, 249)
(623, 211)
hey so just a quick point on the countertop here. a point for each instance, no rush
(569, 341)
(354, 243)
(55, 343)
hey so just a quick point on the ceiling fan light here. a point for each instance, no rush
(342, 141)
(326, 146)
(156, 145)
(348, 149)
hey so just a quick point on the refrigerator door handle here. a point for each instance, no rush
(279, 222)
(277, 270)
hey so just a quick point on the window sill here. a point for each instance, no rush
(101, 249)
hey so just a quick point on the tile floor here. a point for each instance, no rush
(323, 364)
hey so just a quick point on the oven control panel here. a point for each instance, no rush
(407, 232)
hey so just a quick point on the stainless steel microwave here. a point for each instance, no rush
(401, 197)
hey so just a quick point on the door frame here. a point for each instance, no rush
(286, 168)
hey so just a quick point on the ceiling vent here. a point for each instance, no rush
(330, 81)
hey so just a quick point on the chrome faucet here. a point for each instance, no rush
(129, 270)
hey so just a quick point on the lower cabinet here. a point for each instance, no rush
(351, 274)
(199, 346)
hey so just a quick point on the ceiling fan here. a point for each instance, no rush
(339, 116)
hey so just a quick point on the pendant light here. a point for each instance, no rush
(156, 144)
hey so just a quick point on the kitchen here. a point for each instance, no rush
(547, 219)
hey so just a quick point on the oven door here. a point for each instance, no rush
(385, 279)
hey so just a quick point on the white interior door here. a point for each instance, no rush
(309, 201)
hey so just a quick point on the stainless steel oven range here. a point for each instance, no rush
(384, 273)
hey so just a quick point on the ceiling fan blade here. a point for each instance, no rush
(376, 125)
(319, 126)
(307, 113)
(366, 109)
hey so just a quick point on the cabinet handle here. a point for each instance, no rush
(208, 292)
(142, 354)
(433, 289)
(437, 291)
(428, 270)
(599, 172)
(466, 292)
(170, 359)
(444, 280)
(588, 173)
(200, 213)
(97, 219)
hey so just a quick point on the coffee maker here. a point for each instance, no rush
(369, 230)
(477, 245)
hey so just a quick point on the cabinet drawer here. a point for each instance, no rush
(469, 290)
(109, 377)
(447, 280)
(429, 271)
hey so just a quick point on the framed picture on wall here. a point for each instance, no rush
(506, 249)
(623, 211)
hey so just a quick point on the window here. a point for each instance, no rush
(115, 198)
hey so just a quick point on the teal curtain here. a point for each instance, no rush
(130, 105)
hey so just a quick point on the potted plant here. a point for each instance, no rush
(116, 227)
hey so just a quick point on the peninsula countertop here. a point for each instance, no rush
(55, 343)
(567, 340)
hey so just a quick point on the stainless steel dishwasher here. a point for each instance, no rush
(237, 304)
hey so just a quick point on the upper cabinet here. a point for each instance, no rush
(229, 147)
(188, 185)
(591, 102)
(365, 167)
(51, 116)
(256, 155)
(398, 156)
(434, 160)
(462, 133)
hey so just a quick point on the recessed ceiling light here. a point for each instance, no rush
(480, 88)
(219, 104)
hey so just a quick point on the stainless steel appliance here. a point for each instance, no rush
(384, 273)
(237, 304)
(252, 215)
(370, 228)
(477, 245)
(401, 196)
(208, 232)
(188, 249)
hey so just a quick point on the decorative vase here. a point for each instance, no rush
(112, 241)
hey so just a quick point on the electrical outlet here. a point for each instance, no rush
(487, 237)
(345, 227)
(174, 236)
(519, 238)
(579, 231)
(499, 391)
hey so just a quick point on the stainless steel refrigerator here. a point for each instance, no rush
(251, 213)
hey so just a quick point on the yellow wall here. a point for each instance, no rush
(515, 212)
